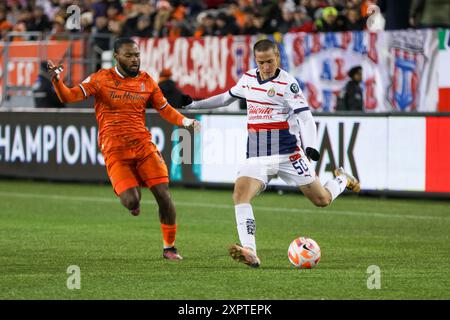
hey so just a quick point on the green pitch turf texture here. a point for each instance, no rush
(46, 227)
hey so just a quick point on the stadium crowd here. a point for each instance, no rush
(175, 18)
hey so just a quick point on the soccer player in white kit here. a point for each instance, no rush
(281, 142)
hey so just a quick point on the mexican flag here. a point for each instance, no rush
(444, 68)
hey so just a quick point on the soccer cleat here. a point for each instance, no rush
(244, 255)
(352, 182)
(171, 254)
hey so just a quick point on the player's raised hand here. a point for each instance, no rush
(53, 70)
(191, 123)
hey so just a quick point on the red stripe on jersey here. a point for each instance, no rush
(279, 82)
(280, 94)
(265, 103)
(250, 75)
(259, 89)
(268, 126)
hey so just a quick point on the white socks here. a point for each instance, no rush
(246, 225)
(336, 186)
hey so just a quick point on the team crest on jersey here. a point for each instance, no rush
(294, 88)
(271, 92)
(116, 82)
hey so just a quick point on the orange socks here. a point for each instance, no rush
(169, 231)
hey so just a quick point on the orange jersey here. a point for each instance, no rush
(120, 104)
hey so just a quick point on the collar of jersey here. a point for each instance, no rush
(261, 81)
(121, 75)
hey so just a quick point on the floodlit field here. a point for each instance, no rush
(47, 227)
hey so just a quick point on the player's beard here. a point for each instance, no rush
(130, 72)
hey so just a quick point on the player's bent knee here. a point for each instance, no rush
(130, 202)
(322, 202)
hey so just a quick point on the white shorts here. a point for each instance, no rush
(294, 169)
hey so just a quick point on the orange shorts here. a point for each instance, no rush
(141, 165)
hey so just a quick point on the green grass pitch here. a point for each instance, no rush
(46, 227)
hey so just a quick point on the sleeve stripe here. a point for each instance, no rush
(234, 96)
(165, 105)
(301, 109)
(84, 91)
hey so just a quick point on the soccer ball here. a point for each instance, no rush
(304, 253)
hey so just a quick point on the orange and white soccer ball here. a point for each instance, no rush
(304, 253)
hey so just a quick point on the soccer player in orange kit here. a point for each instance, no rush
(122, 94)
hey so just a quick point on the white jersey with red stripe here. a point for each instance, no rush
(271, 108)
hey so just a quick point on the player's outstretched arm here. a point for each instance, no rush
(217, 101)
(308, 134)
(64, 93)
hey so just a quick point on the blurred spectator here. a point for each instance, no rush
(313, 6)
(100, 32)
(225, 25)
(353, 21)
(287, 17)
(164, 10)
(51, 7)
(144, 27)
(173, 94)
(330, 21)
(5, 25)
(206, 27)
(274, 18)
(43, 91)
(59, 32)
(115, 27)
(351, 98)
(302, 21)
(175, 28)
(430, 13)
(249, 23)
(40, 21)
(237, 13)
(114, 13)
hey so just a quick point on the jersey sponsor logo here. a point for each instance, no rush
(142, 87)
(259, 113)
(126, 96)
(271, 92)
(294, 88)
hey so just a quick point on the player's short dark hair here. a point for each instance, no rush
(120, 42)
(264, 45)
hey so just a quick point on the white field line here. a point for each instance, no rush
(225, 206)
